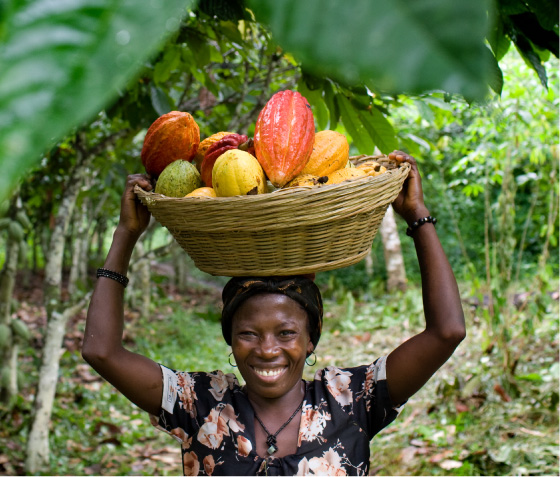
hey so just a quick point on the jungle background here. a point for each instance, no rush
(471, 92)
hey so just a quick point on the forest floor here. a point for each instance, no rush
(476, 416)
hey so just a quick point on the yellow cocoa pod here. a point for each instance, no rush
(305, 180)
(372, 168)
(345, 174)
(330, 153)
(205, 144)
(202, 192)
(237, 172)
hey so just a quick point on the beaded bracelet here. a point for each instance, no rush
(417, 224)
(103, 272)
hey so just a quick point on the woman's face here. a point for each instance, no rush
(270, 341)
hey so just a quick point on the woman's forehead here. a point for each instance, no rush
(268, 305)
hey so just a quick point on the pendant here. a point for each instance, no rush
(271, 441)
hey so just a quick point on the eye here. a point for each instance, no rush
(246, 334)
(288, 333)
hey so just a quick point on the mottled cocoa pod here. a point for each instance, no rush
(173, 136)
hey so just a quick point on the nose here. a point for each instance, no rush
(268, 347)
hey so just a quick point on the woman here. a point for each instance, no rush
(276, 424)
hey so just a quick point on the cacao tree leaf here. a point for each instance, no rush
(63, 61)
(160, 100)
(354, 126)
(498, 40)
(532, 59)
(402, 47)
(332, 106)
(315, 99)
(379, 129)
(496, 77)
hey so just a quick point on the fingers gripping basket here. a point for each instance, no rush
(286, 232)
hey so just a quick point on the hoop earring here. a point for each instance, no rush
(314, 361)
(229, 361)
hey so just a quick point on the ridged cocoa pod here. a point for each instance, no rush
(330, 153)
(284, 135)
(173, 136)
(231, 141)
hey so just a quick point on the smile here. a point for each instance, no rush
(269, 372)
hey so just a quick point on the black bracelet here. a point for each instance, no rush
(415, 225)
(103, 272)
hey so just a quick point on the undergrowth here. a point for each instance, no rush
(472, 418)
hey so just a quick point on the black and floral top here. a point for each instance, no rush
(210, 415)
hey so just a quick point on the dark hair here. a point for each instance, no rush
(299, 288)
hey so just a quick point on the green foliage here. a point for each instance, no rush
(60, 64)
(395, 47)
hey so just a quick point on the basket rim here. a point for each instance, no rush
(296, 192)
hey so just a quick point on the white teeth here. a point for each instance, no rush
(270, 372)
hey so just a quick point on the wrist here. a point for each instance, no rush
(416, 214)
(414, 226)
(118, 258)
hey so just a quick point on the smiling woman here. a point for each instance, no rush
(276, 423)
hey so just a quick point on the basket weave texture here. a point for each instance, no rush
(286, 232)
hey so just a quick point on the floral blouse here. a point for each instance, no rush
(210, 415)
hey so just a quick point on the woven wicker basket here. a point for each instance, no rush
(286, 232)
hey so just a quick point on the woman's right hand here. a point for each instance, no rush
(135, 216)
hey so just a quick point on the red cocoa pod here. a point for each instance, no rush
(173, 136)
(284, 135)
(231, 141)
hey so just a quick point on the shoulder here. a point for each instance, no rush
(349, 384)
(191, 387)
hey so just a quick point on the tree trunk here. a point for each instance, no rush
(37, 453)
(8, 387)
(396, 274)
(181, 270)
(81, 221)
(10, 333)
(140, 286)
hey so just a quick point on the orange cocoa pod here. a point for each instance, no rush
(284, 134)
(205, 144)
(330, 153)
(202, 192)
(345, 174)
(173, 136)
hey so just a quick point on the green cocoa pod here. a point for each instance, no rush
(15, 231)
(22, 253)
(5, 335)
(21, 329)
(6, 377)
(22, 218)
(4, 222)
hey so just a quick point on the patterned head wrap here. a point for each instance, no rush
(299, 288)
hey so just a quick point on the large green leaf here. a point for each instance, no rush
(379, 129)
(401, 46)
(62, 61)
(354, 125)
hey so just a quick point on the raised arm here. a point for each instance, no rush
(135, 376)
(411, 364)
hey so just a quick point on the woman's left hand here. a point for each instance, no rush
(409, 204)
